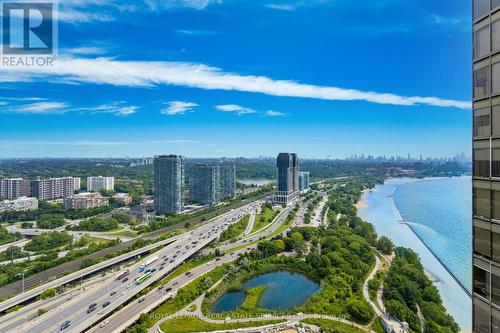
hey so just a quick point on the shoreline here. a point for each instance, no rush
(428, 247)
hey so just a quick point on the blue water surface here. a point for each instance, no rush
(284, 291)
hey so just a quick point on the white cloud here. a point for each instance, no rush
(178, 107)
(272, 113)
(238, 109)
(11, 143)
(37, 108)
(286, 7)
(154, 73)
(82, 16)
(86, 50)
(116, 108)
(167, 4)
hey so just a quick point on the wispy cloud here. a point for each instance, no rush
(178, 107)
(81, 16)
(116, 108)
(197, 32)
(167, 4)
(154, 73)
(238, 109)
(86, 50)
(272, 113)
(286, 7)
(36, 108)
(11, 143)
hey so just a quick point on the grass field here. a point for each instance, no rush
(187, 325)
(264, 219)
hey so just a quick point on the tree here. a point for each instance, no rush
(360, 311)
(50, 221)
(385, 245)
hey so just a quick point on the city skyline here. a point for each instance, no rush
(245, 81)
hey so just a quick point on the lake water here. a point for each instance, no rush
(284, 291)
(438, 211)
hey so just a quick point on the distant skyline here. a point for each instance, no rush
(212, 78)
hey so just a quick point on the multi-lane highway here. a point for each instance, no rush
(113, 292)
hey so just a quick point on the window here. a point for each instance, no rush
(495, 163)
(481, 202)
(482, 243)
(481, 317)
(482, 122)
(482, 162)
(481, 282)
(495, 3)
(496, 77)
(482, 82)
(495, 204)
(495, 35)
(482, 42)
(481, 7)
(495, 321)
(495, 120)
(496, 246)
(495, 289)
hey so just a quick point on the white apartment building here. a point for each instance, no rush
(95, 184)
(21, 203)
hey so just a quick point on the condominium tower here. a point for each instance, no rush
(54, 188)
(95, 184)
(168, 184)
(227, 181)
(204, 184)
(303, 181)
(486, 166)
(13, 188)
(287, 174)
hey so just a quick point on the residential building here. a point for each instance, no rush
(13, 188)
(287, 174)
(85, 200)
(95, 184)
(204, 184)
(168, 184)
(303, 181)
(227, 181)
(123, 198)
(486, 166)
(53, 188)
(21, 203)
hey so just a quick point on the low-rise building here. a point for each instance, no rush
(85, 200)
(123, 198)
(21, 203)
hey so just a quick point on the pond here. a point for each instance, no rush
(284, 291)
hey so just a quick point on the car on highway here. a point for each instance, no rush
(125, 280)
(160, 287)
(175, 283)
(124, 291)
(65, 325)
(168, 289)
(105, 304)
(171, 261)
(104, 323)
(160, 268)
(89, 310)
(142, 299)
(113, 293)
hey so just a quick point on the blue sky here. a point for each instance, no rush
(323, 78)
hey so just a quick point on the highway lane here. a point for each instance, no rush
(75, 310)
(74, 265)
(126, 316)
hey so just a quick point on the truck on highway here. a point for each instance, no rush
(122, 275)
(148, 262)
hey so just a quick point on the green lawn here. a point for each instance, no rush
(264, 219)
(187, 325)
(332, 326)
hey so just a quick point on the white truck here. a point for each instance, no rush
(148, 262)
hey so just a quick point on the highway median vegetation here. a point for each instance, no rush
(235, 230)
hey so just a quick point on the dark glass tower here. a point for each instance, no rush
(486, 166)
(287, 174)
(169, 184)
(204, 184)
